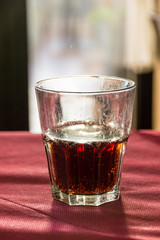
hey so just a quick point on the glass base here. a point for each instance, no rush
(86, 200)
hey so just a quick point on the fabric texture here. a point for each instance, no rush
(27, 210)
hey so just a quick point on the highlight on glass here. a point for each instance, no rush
(85, 122)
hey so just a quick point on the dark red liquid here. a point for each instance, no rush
(84, 168)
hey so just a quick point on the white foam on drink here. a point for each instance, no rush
(85, 132)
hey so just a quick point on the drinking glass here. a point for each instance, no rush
(85, 122)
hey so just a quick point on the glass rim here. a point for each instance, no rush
(122, 89)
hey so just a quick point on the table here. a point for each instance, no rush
(27, 210)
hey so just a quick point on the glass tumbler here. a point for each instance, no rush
(85, 122)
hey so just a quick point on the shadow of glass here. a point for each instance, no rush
(108, 220)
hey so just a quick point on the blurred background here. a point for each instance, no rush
(47, 38)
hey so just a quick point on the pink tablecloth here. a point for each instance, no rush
(28, 212)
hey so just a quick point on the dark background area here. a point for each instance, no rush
(13, 66)
(144, 99)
